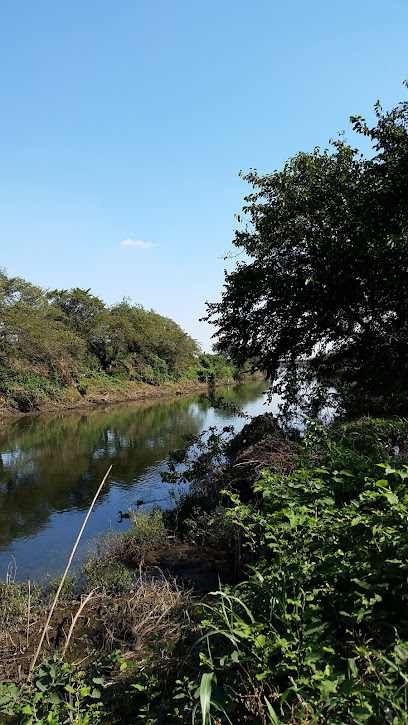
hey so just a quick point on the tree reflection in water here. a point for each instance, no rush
(51, 465)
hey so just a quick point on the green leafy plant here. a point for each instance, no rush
(57, 693)
(318, 633)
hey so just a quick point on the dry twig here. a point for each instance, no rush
(75, 619)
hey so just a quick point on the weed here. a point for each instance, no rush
(69, 588)
(14, 599)
(212, 530)
(147, 533)
(57, 693)
(106, 568)
(107, 577)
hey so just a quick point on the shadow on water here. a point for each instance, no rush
(51, 465)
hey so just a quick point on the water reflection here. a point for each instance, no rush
(51, 465)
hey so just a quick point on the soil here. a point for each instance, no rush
(193, 567)
(172, 576)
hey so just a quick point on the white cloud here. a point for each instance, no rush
(136, 243)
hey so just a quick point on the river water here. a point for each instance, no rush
(52, 465)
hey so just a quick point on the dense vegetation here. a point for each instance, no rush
(325, 274)
(55, 344)
(316, 631)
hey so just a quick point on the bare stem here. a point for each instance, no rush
(28, 608)
(66, 571)
(75, 619)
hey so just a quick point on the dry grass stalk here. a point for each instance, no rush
(155, 608)
(75, 619)
(28, 609)
(66, 571)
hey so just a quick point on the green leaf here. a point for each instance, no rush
(271, 712)
(360, 583)
(260, 640)
(205, 696)
(401, 652)
(40, 685)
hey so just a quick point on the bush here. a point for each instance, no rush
(14, 598)
(57, 693)
(106, 577)
(211, 530)
(105, 567)
(69, 588)
(319, 631)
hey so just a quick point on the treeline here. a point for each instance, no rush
(56, 341)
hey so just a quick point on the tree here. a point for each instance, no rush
(31, 339)
(88, 317)
(325, 278)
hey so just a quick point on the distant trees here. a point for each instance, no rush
(327, 274)
(49, 339)
(30, 335)
(124, 334)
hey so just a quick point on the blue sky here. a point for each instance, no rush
(130, 120)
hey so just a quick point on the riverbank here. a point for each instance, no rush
(100, 393)
(315, 630)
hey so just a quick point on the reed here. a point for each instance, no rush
(75, 619)
(28, 609)
(74, 548)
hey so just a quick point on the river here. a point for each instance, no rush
(51, 466)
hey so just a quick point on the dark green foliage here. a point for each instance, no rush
(327, 241)
(57, 693)
(318, 633)
(211, 368)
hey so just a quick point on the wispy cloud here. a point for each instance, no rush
(136, 243)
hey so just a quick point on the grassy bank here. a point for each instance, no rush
(312, 628)
(34, 394)
(61, 346)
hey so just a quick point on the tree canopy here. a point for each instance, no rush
(53, 339)
(325, 274)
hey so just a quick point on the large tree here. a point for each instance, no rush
(31, 339)
(325, 273)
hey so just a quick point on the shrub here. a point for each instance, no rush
(318, 632)
(57, 693)
(14, 598)
(105, 567)
(107, 577)
(69, 588)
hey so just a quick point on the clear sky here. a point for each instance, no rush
(129, 120)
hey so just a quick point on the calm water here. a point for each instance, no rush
(52, 465)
